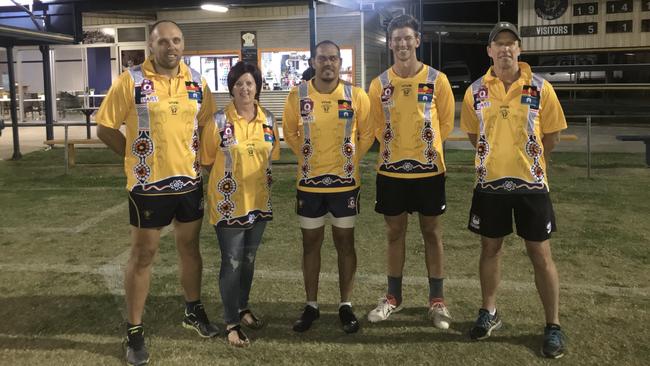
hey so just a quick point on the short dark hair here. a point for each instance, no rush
(154, 25)
(241, 68)
(402, 21)
(327, 42)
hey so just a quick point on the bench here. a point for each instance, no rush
(69, 144)
(644, 138)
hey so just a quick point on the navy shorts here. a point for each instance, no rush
(339, 204)
(491, 215)
(151, 211)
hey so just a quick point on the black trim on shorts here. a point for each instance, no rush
(398, 195)
(152, 211)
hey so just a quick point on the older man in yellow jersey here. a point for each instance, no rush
(163, 103)
(325, 124)
(412, 110)
(513, 118)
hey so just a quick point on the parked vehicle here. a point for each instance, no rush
(458, 74)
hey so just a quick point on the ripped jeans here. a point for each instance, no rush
(238, 248)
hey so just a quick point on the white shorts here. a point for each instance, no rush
(346, 222)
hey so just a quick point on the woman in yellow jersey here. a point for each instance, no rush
(237, 149)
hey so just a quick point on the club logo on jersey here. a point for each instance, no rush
(530, 96)
(387, 94)
(268, 133)
(228, 135)
(173, 108)
(306, 110)
(146, 87)
(345, 109)
(505, 111)
(480, 98)
(194, 91)
(425, 92)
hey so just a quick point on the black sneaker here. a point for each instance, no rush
(136, 356)
(308, 316)
(198, 320)
(136, 351)
(348, 320)
(484, 325)
(554, 342)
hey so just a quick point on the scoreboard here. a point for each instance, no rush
(547, 25)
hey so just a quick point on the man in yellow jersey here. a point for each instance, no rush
(412, 111)
(513, 118)
(162, 102)
(325, 124)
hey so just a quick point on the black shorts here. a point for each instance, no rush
(423, 195)
(491, 215)
(150, 211)
(340, 204)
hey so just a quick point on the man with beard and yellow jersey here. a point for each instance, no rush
(513, 118)
(412, 110)
(325, 124)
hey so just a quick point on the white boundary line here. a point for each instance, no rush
(73, 230)
(113, 276)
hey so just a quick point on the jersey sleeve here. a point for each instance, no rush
(551, 115)
(445, 105)
(275, 153)
(291, 122)
(365, 131)
(210, 139)
(208, 106)
(468, 119)
(118, 102)
(376, 115)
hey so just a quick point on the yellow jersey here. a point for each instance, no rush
(412, 117)
(162, 117)
(240, 153)
(329, 133)
(510, 127)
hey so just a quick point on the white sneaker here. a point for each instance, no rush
(387, 305)
(439, 314)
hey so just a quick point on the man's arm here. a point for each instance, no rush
(113, 138)
(445, 105)
(550, 140)
(290, 123)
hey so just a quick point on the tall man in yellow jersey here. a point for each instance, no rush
(162, 102)
(325, 124)
(513, 118)
(412, 110)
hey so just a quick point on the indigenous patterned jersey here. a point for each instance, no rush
(162, 117)
(411, 117)
(240, 152)
(510, 127)
(329, 133)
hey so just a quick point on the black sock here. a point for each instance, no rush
(553, 326)
(190, 306)
(435, 288)
(395, 288)
(135, 335)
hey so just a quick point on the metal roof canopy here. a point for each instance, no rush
(14, 36)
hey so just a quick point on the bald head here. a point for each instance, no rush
(166, 46)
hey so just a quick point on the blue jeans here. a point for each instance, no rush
(238, 249)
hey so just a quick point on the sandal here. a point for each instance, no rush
(245, 342)
(255, 324)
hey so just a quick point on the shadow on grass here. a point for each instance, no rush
(40, 323)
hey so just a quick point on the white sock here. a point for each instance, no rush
(493, 311)
(313, 304)
(348, 303)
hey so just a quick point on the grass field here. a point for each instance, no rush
(63, 242)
